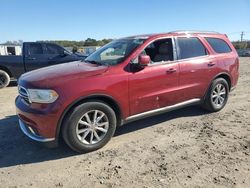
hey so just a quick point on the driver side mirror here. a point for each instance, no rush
(144, 60)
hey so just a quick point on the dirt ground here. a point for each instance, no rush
(184, 148)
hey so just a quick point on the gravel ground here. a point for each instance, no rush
(184, 148)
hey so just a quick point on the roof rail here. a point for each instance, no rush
(193, 31)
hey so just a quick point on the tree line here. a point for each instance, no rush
(68, 43)
(87, 42)
(241, 45)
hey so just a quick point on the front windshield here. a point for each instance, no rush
(114, 52)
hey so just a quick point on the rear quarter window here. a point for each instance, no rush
(219, 45)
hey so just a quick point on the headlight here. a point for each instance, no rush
(42, 95)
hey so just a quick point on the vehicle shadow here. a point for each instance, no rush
(12, 84)
(17, 149)
(154, 120)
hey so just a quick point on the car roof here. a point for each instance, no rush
(175, 33)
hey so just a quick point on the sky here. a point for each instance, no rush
(32, 20)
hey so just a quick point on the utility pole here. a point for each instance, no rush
(241, 36)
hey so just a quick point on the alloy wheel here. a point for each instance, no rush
(219, 95)
(2, 80)
(92, 127)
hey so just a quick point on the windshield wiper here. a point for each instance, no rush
(93, 62)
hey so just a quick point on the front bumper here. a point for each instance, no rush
(28, 131)
(38, 121)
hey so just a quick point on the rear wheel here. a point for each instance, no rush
(89, 126)
(4, 79)
(217, 95)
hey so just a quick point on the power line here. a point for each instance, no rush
(242, 34)
(236, 33)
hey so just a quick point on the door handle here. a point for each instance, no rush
(171, 70)
(31, 58)
(210, 64)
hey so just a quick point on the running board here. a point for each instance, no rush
(162, 110)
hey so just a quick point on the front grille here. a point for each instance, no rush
(23, 93)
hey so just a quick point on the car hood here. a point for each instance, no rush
(49, 76)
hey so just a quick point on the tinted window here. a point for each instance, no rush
(219, 45)
(54, 49)
(36, 49)
(190, 47)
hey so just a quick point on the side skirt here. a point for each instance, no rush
(161, 110)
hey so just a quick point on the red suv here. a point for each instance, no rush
(127, 79)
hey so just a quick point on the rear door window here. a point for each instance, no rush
(219, 45)
(190, 47)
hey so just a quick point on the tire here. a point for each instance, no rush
(219, 88)
(75, 126)
(4, 79)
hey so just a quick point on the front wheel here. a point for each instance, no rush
(4, 79)
(217, 95)
(89, 126)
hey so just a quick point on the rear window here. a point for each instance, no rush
(219, 45)
(190, 47)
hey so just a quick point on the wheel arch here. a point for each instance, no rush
(223, 75)
(227, 77)
(96, 97)
(6, 70)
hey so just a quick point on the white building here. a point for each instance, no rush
(10, 50)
